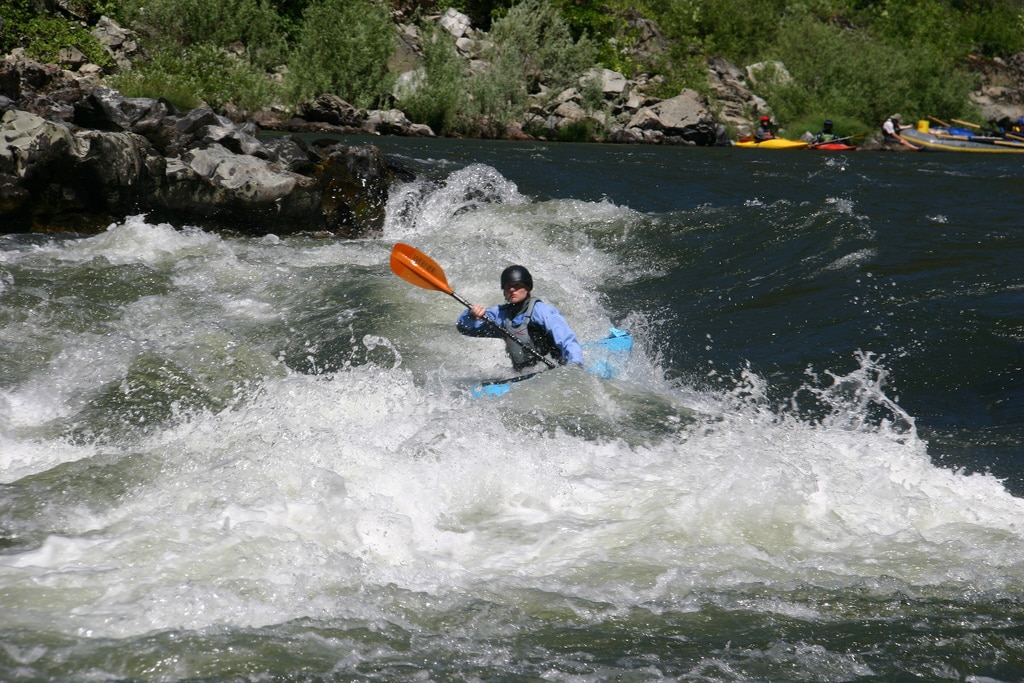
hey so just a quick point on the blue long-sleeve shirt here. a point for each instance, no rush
(548, 317)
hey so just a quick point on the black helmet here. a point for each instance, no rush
(828, 124)
(516, 274)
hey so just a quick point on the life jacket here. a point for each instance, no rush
(891, 137)
(529, 334)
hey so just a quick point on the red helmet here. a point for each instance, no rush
(765, 119)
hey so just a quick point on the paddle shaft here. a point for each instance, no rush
(829, 142)
(508, 335)
(415, 267)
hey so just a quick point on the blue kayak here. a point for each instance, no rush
(604, 358)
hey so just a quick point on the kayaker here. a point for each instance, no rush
(891, 132)
(764, 130)
(825, 135)
(528, 319)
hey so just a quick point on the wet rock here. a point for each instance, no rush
(109, 156)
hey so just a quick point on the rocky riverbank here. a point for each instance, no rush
(76, 155)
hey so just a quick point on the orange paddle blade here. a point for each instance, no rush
(412, 265)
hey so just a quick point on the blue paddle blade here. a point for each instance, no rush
(605, 358)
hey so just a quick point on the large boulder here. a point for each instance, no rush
(118, 169)
(30, 149)
(353, 183)
(107, 109)
(455, 22)
(51, 176)
(1000, 96)
(214, 186)
(684, 118)
(54, 178)
(612, 83)
(330, 113)
(29, 143)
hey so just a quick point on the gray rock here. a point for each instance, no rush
(107, 109)
(612, 83)
(455, 22)
(225, 176)
(30, 143)
(119, 42)
(238, 177)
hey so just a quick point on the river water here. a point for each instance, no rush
(257, 459)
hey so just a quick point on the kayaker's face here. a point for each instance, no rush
(515, 292)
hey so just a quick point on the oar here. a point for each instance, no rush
(976, 126)
(412, 265)
(940, 122)
(965, 123)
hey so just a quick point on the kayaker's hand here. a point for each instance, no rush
(477, 311)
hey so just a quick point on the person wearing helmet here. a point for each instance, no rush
(764, 130)
(825, 134)
(529, 320)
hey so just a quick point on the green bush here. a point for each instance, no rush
(203, 73)
(535, 35)
(909, 22)
(493, 99)
(343, 48)
(994, 28)
(848, 73)
(44, 35)
(586, 130)
(850, 130)
(532, 46)
(436, 100)
(605, 25)
(187, 23)
(736, 29)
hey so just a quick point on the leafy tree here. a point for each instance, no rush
(435, 100)
(343, 48)
(532, 46)
(844, 72)
(992, 27)
(535, 36)
(736, 29)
